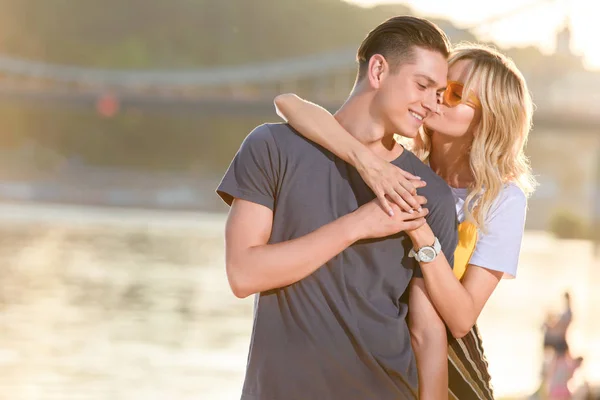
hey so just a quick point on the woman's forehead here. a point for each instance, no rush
(459, 71)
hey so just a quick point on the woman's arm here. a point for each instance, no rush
(318, 125)
(496, 253)
(313, 121)
(459, 303)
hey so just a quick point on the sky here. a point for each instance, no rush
(533, 22)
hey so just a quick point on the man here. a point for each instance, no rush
(329, 266)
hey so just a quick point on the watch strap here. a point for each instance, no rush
(437, 247)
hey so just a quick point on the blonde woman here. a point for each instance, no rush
(476, 143)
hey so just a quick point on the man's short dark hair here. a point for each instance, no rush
(396, 38)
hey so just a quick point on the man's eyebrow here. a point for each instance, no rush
(431, 82)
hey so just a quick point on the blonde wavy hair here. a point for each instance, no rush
(497, 154)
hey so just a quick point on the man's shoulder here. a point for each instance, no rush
(263, 133)
(280, 134)
(436, 187)
(279, 128)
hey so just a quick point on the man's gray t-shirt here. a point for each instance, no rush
(339, 333)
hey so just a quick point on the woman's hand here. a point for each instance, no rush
(389, 183)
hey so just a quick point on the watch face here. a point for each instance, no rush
(427, 254)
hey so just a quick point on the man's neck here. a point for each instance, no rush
(355, 117)
(449, 158)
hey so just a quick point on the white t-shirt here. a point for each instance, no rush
(498, 248)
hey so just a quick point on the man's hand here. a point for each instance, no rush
(373, 222)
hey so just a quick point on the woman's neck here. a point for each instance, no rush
(449, 158)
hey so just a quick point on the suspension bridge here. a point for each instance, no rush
(241, 90)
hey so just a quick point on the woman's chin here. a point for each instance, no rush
(433, 122)
(431, 128)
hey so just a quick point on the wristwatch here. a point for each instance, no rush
(426, 253)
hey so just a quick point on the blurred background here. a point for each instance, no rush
(118, 119)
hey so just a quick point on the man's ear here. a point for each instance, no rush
(377, 70)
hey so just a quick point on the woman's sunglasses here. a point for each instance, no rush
(453, 96)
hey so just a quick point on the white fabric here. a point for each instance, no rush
(499, 246)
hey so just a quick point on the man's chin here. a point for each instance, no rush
(409, 134)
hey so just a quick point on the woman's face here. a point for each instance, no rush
(459, 120)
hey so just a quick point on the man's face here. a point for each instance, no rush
(408, 95)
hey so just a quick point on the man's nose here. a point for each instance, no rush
(438, 103)
(432, 103)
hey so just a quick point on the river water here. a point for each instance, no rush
(102, 303)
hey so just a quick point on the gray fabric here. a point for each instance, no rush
(341, 332)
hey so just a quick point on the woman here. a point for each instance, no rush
(476, 143)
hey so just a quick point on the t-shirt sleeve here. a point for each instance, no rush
(253, 173)
(443, 223)
(499, 245)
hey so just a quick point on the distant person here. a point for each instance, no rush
(330, 267)
(555, 335)
(548, 350)
(556, 348)
(476, 143)
(560, 373)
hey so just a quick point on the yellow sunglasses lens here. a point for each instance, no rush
(453, 94)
